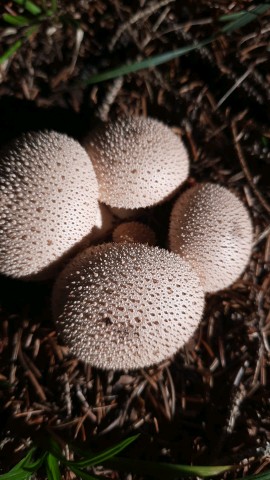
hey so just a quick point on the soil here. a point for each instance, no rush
(210, 403)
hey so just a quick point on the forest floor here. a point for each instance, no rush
(210, 403)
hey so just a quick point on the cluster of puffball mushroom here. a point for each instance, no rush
(123, 303)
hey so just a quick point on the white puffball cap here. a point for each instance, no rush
(126, 306)
(139, 162)
(49, 202)
(211, 229)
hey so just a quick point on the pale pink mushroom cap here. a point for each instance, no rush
(138, 161)
(126, 306)
(211, 229)
(49, 202)
(134, 232)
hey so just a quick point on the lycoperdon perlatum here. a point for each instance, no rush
(125, 305)
(49, 202)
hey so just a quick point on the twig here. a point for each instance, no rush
(67, 395)
(39, 390)
(85, 405)
(113, 90)
(135, 18)
(32, 366)
(234, 87)
(244, 166)
(262, 236)
(136, 393)
(80, 424)
(16, 345)
(99, 400)
(165, 394)
(172, 387)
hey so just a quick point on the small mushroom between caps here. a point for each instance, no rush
(211, 229)
(139, 162)
(132, 232)
(126, 306)
(49, 202)
(126, 213)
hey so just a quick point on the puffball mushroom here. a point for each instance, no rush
(211, 229)
(49, 202)
(132, 232)
(138, 161)
(126, 306)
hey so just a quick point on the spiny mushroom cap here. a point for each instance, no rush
(211, 229)
(126, 306)
(48, 202)
(134, 232)
(138, 161)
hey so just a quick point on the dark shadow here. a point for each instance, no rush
(18, 295)
(18, 116)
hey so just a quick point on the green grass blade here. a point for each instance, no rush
(156, 60)
(52, 468)
(18, 472)
(10, 51)
(105, 455)
(51, 447)
(246, 18)
(54, 5)
(25, 460)
(228, 17)
(16, 20)
(30, 30)
(31, 7)
(164, 470)
(147, 63)
(15, 46)
(32, 466)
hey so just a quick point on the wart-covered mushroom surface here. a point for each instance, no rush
(126, 306)
(49, 202)
(134, 232)
(139, 162)
(211, 228)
